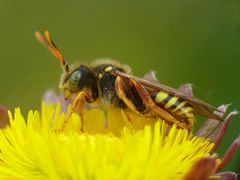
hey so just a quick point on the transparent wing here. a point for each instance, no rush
(202, 108)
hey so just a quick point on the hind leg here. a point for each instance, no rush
(146, 98)
(151, 105)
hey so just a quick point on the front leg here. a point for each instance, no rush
(77, 105)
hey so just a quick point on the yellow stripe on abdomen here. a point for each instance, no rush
(185, 110)
(167, 101)
(171, 102)
(183, 103)
(186, 115)
(181, 109)
(161, 96)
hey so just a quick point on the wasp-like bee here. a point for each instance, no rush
(112, 84)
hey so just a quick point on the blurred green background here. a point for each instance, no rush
(196, 41)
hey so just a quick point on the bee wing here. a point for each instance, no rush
(202, 108)
(184, 88)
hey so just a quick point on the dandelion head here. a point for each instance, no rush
(121, 148)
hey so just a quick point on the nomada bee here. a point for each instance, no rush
(112, 84)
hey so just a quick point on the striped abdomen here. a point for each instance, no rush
(179, 108)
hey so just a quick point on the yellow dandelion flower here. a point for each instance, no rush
(31, 149)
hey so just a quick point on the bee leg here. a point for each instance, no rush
(150, 104)
(77, 105)
(127, 116)
(122, 95)
(105, 118)
(144, 95)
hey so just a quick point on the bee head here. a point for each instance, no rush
(81, 78)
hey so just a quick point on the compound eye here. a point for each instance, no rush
(74, 80)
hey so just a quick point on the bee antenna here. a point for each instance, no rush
(47, 41)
